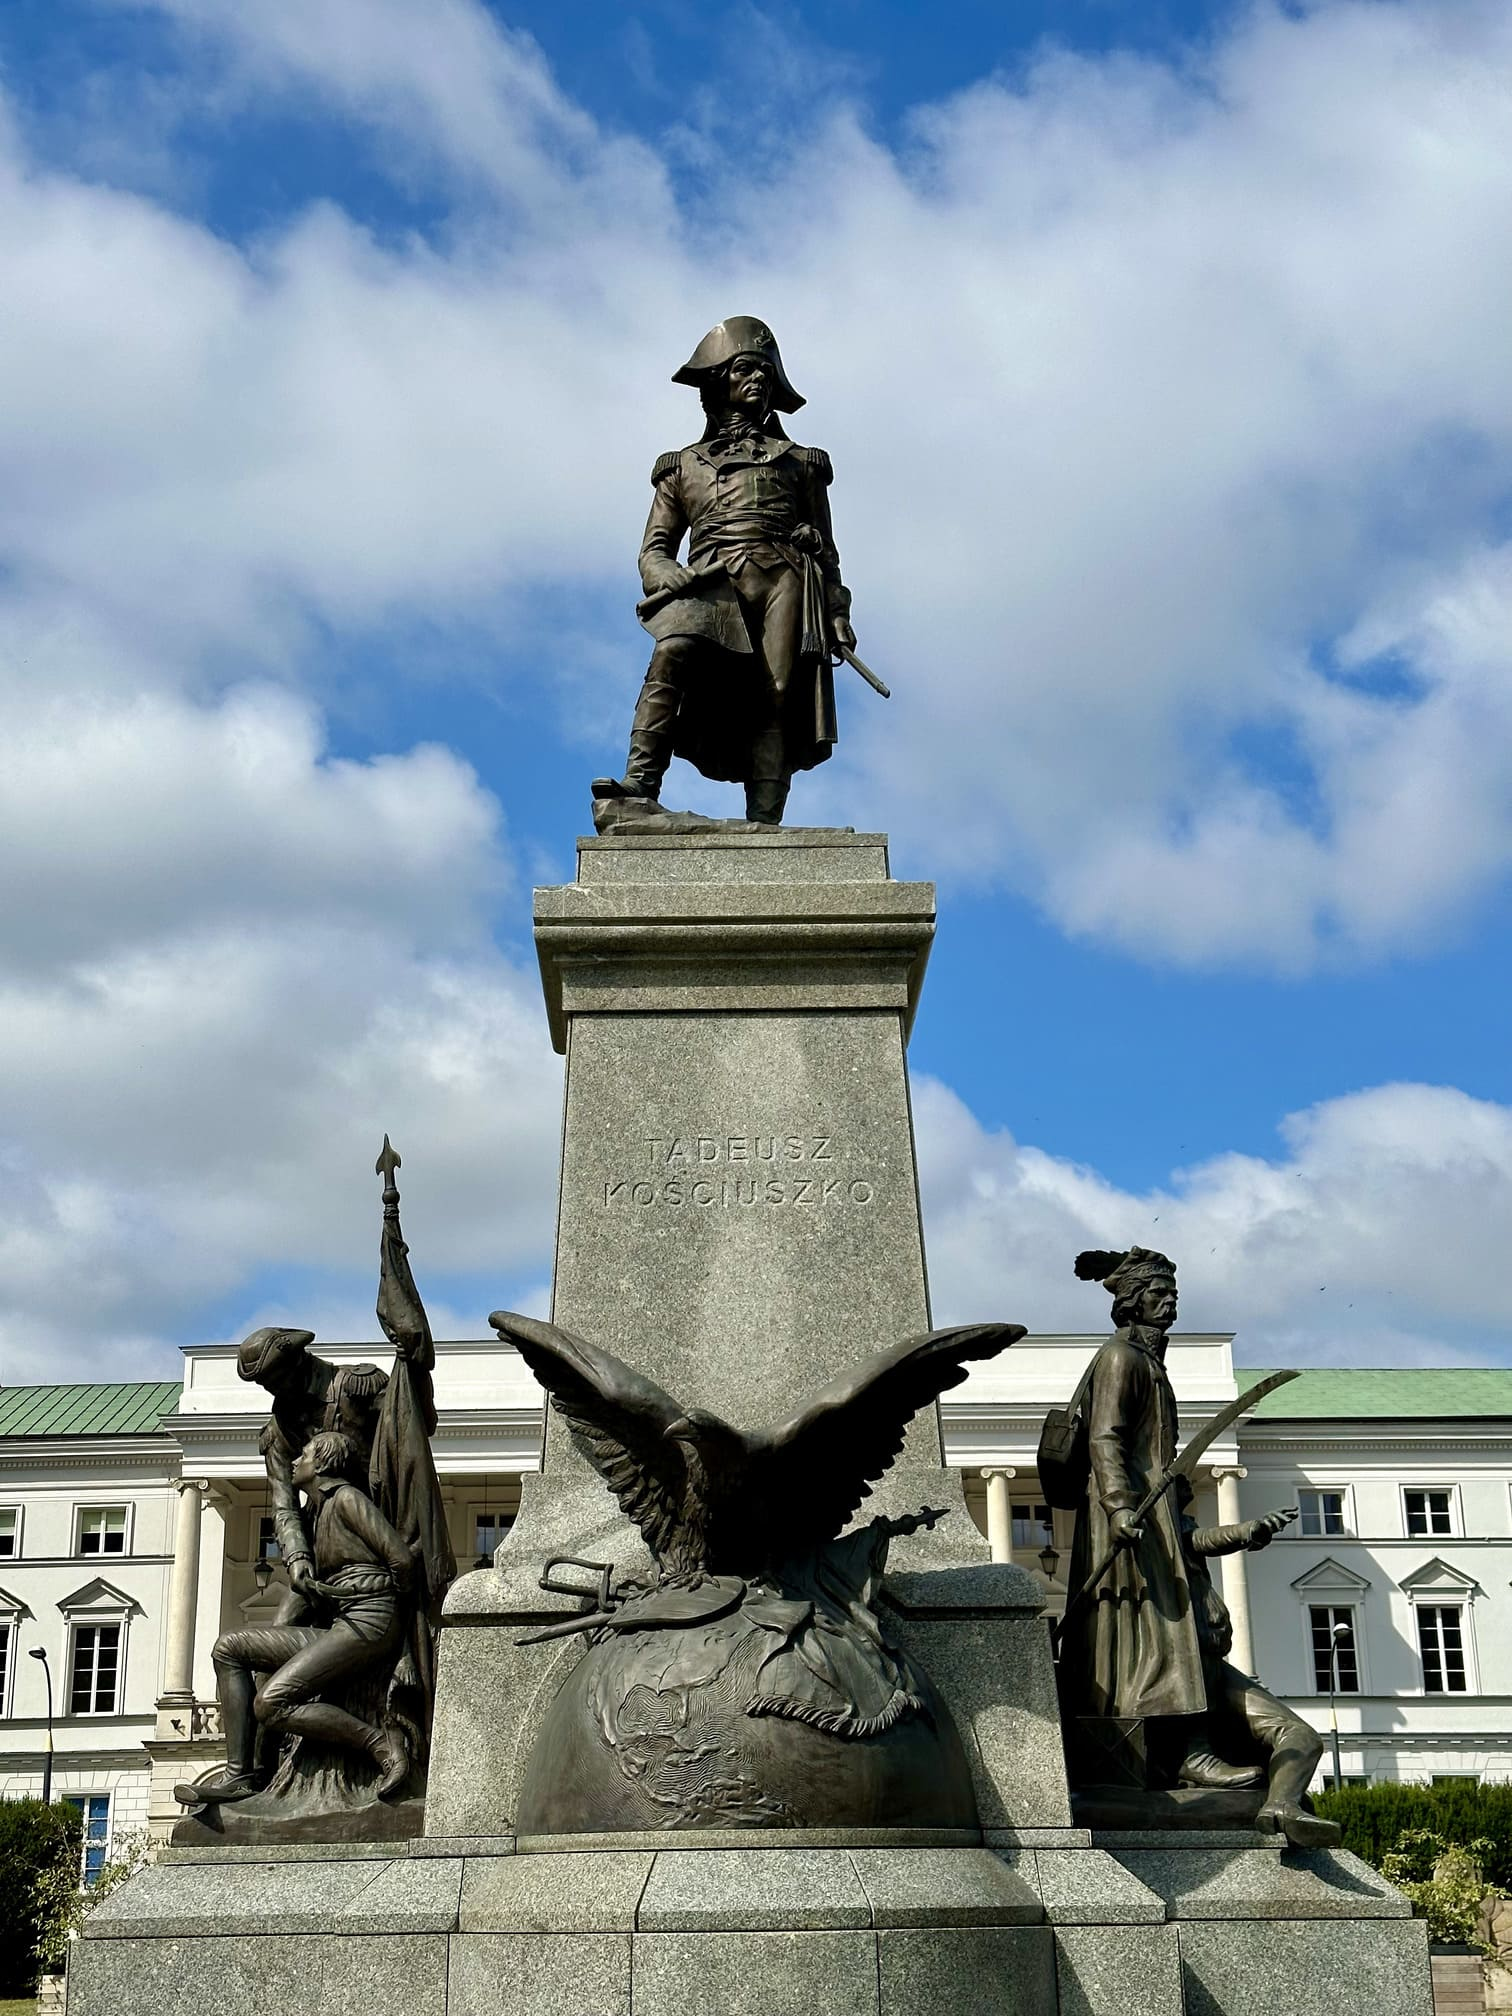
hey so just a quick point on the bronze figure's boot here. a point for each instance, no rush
(393, 1754)
(650, 745)
(1204, 1768)
(767, 786)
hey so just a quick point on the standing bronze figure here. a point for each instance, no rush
(1150, 1698)
(740, 681)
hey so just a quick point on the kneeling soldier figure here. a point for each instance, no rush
(362, 1575)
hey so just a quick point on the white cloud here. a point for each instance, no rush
(232, 966)
(1375, 1236)
(1171, 416)
(1152, 390)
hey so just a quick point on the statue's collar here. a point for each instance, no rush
(749, 451)
(1151, 1342)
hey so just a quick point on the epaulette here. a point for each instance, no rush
(819, 462)
(271, 1438)
(665, 465)
(361, 1381)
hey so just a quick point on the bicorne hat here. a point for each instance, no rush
(740, 336)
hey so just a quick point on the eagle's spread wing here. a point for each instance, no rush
(617, 1418)
(811, 1473)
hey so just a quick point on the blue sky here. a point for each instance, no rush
(1161, 353)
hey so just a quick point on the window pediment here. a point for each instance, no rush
(98, 1598)
(1332, 1578)
(1438, 1578)
(12, 1608)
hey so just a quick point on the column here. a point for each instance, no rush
(183, 1590)
(1235, 1569)
(999, 1515)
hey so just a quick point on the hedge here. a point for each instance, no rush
(39, 1872)
(1374, 1817)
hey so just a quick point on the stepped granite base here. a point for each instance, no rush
(770, 1927)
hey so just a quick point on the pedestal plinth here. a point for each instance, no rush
(739, 1219)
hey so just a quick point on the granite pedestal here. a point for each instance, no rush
(739, 1218)
(768, 1927)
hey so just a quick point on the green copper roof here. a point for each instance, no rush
(136, 1408)
(1344, 1393)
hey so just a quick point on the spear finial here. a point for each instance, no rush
(388, 1161)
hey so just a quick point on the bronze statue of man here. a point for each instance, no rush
(1152, 1644)
(740, 681)
(363, 1572)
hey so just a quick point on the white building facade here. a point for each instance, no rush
(134, 1527)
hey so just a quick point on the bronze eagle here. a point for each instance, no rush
(715, 1500)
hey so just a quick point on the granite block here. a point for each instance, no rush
(554, 1893)
(278, 1975)
(758, 1840)
(741, 1175)
(1035, 1837)
(792, 854)
(539, 1974)
(997, 1678)
(754, 1890)
(999, 1971)
(473, 1847)
(946, 1886)
(174, 1900)
(1119, 1970)
(1254, 1883)
(1335, 1967)
(755, 1974)
(290, 1851)
(1085, 1886)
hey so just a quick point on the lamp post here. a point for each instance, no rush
(1049, 1561)
(1336, 1638)
(39, 1652)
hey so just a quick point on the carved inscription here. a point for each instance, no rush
(727, 1172)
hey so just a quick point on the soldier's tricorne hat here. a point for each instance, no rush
(265, 1353)
(740, 336)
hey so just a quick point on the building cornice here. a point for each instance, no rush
(77, 1452)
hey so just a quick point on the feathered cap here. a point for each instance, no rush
(1124, 1273)
(262, 1356)
(740, 336)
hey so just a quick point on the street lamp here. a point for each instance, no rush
(1337, 1637)
(1049, 1561)
(39, 1652)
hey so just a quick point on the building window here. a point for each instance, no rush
(94, 1669)
(10, 1529)
(1033, 1528)
(7, 1637)
(267, 1539)
(1325, 1619)
(489, 1529)
(1441, 1641)
(102, 1529)
(1322, 1514)
(94, 1808)
(1428, 1513)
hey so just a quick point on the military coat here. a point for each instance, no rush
(1133, 1650)
(756, 513)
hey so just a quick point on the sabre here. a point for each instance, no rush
(859, 665)
(1183, 1466)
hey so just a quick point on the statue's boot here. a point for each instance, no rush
(1302, 1829)
(220, 1790)
(650, 745)
(239, 1778)
(1204, 1769)
(392, 1752)
(766, 788)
